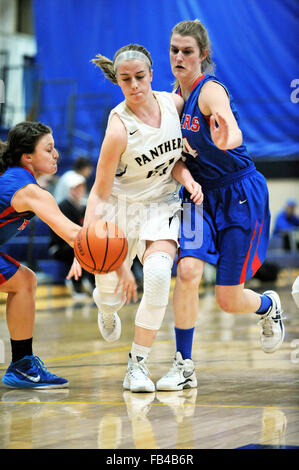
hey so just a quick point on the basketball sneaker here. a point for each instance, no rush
(136, 378)
(30, 372)
(109, 323)
(109, 326)
(180, 376)
(272, 328)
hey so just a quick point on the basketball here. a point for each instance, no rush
(100, 247)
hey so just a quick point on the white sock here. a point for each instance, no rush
(140, 351)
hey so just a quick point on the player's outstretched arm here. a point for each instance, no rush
(214, 101)
(42, 203)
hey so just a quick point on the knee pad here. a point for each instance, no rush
(103, 295)
(156, 285)
(156, 278)
(107, 303)
(106, 283)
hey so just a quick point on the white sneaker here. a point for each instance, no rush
(180, 376)
(109, 326)
(136, 379)
(109, 323)
(272, 328)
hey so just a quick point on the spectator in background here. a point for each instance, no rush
(287, 218)
(82, 166)
(73, 207)
(286, 221)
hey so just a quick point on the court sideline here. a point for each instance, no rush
(245, 398)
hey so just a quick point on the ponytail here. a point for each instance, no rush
(5, 157)
(109, 67)
(106, 65)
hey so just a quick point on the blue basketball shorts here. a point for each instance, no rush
(230, 229)
(8, 267)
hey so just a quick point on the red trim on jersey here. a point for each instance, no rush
(25, 168)
(197, 81)
(7, 211)
(9, 258)
(256, 263)
(13, 261)
(194, 84)
(244, 268)
(12, 220)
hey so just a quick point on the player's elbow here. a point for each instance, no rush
(238, 138)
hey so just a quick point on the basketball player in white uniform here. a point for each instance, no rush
(138, 176)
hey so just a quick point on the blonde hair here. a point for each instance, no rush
(108, 66)
(197, 30)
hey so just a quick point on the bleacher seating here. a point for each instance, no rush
(278, 255)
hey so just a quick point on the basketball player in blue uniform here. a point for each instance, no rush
(28, 154)
(232, 228)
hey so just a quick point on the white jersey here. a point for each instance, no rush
(144, 170)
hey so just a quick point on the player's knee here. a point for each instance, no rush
(27, 280)
(156, 282)
(190, 271)
(149, 316)
(156, 278)
(107, 303)
(226, 303)
(104, 294)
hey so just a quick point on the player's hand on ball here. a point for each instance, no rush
(126, 284)
(75, 271)
(100, 247)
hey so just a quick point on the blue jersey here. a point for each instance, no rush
(11, 222)
(231, 229)
(207, 163)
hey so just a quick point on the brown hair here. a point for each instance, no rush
(200, 34)
(22, 138)
(107, 65)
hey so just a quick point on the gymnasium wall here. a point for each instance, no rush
(253, 47)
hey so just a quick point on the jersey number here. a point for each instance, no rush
(160, 170)
(188, 149)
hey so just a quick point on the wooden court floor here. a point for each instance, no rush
(245, 398)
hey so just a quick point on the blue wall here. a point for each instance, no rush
(254, 49)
